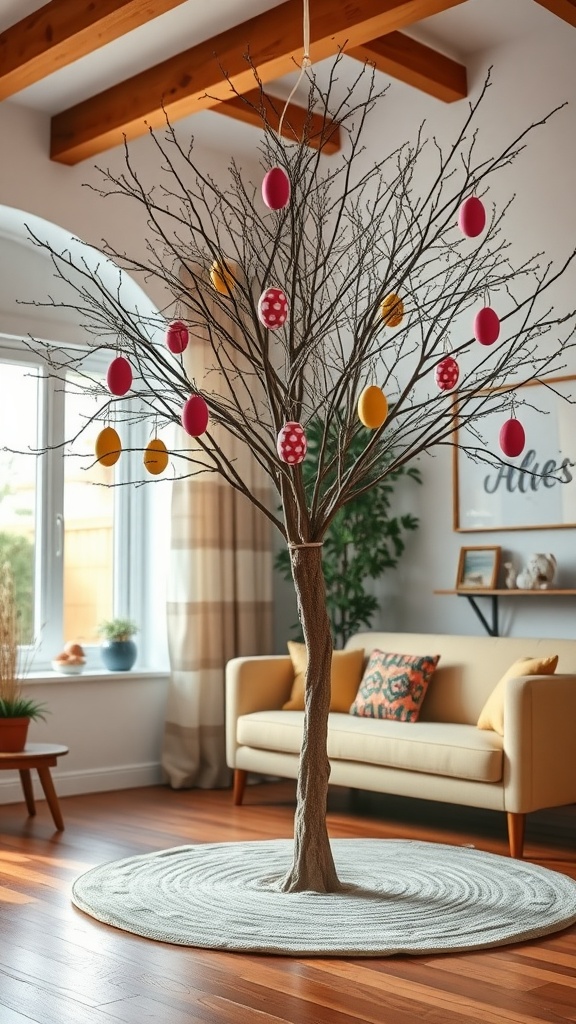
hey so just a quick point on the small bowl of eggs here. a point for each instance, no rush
(70, 661)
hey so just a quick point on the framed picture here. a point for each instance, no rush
(535, 491)
(478, 568)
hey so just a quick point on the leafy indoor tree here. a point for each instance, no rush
(353, 233)
(363, 540)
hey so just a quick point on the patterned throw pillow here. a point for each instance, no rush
(394, 686)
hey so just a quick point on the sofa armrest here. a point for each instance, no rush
(539, 742)
(254, 684)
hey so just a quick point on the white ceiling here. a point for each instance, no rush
(474, 26)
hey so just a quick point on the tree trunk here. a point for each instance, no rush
(313, 866)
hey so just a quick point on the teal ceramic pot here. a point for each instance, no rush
(118, 655)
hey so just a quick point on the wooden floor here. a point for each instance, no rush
(58, 966)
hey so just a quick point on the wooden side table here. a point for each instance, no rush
(42, 757)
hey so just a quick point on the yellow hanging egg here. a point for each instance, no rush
(108, 446)
(392, 310)
(155, 457)
(372, 407)
(222, 278)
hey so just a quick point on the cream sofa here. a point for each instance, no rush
(443, 756)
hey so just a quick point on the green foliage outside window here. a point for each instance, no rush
(362, 541)
(18, 552)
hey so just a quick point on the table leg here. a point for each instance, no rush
(26, 781)
(50, 794)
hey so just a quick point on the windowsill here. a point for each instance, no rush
(95, 675)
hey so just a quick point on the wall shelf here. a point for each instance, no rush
(492, 627)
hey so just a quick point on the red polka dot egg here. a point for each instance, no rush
(446, 374)
(273, 308)
(291, 444)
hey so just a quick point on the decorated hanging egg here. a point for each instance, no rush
(472, 217)
(155, 457)
(273, 308)
(486, 326)
(291, 444)
(392, 310)
(446, 374)
(276, 188)
(372, 407)
(119, 376)
(108, 446)
(512, 438)
(195, 416)
(177, 336)
(222, 278)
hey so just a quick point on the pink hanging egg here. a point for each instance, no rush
(119, 376)
(446, 374)
(177, 336)
(512, 438)
(195, 416)
(276, 188)
(291, 444)
(486, 326)
(472, 217)
(273, 308)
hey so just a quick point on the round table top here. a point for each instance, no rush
(34, 750)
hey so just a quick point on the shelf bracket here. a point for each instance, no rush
(491, 628)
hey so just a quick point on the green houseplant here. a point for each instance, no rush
(363, 540)
(16, 710)
(119, 651)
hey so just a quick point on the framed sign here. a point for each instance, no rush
(478, 568)
(535, 491)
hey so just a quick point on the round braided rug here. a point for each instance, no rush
(400, 897)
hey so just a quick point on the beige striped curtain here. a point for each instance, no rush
(219, 602)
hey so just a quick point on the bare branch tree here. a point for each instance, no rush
(353, 233)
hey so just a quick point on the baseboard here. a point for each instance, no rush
(96, 780)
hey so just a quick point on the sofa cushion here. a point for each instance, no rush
(344, 680)
(459, 751)
(492, 714)
(394, 686)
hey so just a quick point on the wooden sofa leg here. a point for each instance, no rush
(516, 823)
(240, 777)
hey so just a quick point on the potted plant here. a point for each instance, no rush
(119, 651)
(16, 710)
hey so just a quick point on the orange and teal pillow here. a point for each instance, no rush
(394, 686)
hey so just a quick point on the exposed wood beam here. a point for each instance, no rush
(565, 9)
(193, 80)
(296, 120)
(65, 30)
(399, 56)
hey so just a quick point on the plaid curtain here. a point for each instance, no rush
(219, 598)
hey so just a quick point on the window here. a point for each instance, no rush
(68, 534)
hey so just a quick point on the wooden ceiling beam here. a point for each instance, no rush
(63, 31)
(565, 9)
(401, 57)
(194, 80)
(296, 123)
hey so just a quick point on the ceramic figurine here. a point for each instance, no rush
(538, 574)
(511, 574)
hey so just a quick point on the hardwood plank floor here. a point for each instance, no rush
(58, 966)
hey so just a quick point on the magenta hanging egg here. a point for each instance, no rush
(119, 376)
(486, 326)
(273, 308)
(472, 217)
(512, 438)
(446, 374)
(177, 336)
(291, 444)
(276, 188)
(195, 416)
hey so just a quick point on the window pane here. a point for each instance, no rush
(88, 522)
(18, 485)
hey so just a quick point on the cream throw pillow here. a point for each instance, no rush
(347, 669)
(492, 714)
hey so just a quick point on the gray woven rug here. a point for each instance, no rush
(401, 897)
